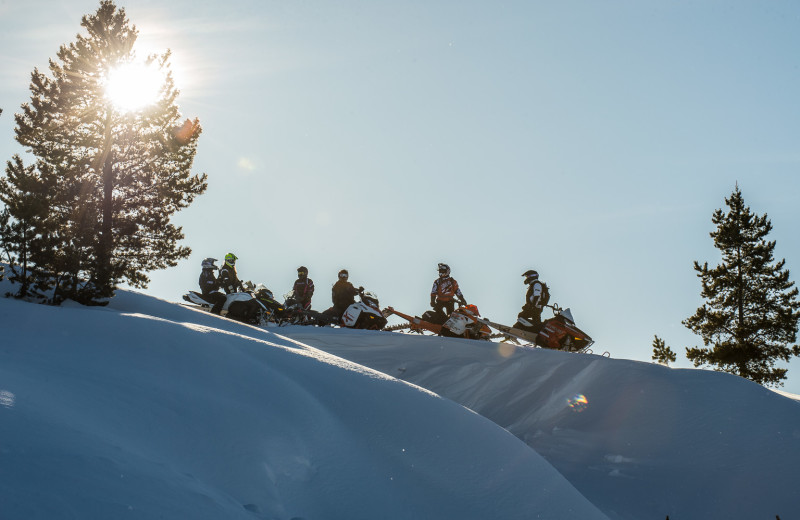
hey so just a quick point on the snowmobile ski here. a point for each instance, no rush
(522, 335)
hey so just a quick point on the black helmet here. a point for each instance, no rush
(343, 274)
(530, 276)
(444, 270)
(302, 271)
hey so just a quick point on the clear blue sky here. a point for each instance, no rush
(588, 140)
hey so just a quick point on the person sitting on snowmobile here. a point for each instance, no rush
(444, 293)
(228, 280)
(303, 288)
(343, 295)
(530, 318)
(209, 285)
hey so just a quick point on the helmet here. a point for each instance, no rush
(230, 259)
(343, 274)
(302, 271)
(444, 270)
(208, 263)
(530, 276)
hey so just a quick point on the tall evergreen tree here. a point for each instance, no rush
(121, 174)
(750, 317)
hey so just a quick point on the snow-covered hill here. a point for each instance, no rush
(148, 409)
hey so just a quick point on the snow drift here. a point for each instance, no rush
(148, 409)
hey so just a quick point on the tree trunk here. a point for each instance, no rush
(106, 240)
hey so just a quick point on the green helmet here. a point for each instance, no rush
(230, 259)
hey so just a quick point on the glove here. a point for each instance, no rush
(433, 303)
(360, 289)
(463, 301)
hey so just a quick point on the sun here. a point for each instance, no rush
(133, 86)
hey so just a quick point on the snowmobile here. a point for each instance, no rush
(463, 322)
(242, 306)
(364, 314)
(297, 315)
(277, 312)
(557, 333)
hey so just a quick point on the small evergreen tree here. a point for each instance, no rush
(25, 194)
(750, 317)
(662, 353)
(119, 175)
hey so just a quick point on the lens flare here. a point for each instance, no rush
(7, 399)
(506, 349)
(578, 403)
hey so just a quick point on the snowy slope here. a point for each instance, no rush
(637, 439)
(148, 409)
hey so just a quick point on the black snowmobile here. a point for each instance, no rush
(278, 312)
(297, 315)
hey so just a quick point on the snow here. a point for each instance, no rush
(150, 409)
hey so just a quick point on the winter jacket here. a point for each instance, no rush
(343, 295)
(303, 291)
(534, 297)
(208, 282)
(532, 310)
(444, 289)
(228, 280)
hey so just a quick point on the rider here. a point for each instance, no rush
(343, 295)
(445, 291)
(228, 279)
(530, 318)
(209, 285)
(303, 288)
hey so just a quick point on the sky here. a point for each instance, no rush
(591, 142)
(190, 415)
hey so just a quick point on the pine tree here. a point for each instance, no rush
(750, 317)
(662, 353)
(121, 174)
(26, 194)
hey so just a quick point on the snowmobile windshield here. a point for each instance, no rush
(265, 294)
(369, 295)
(567, 315)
